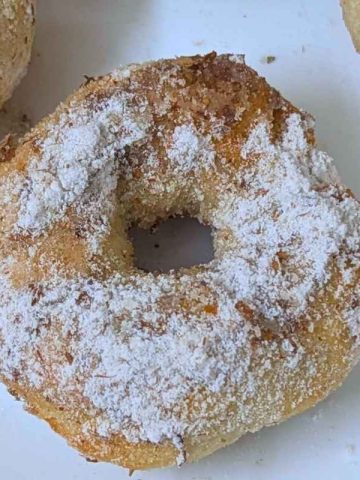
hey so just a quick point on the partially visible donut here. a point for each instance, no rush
(17, 20)
(351, 14)
(145, 369)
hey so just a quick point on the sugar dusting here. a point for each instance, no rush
(288, 225)
(189, 151)
(138, 348)
(78, 167)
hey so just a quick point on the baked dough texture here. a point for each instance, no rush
(17, 21)
(149, 370)
(351, 14)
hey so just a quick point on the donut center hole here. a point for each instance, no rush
(175, 243)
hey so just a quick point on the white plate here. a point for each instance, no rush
(315, 67)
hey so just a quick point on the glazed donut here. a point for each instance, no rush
(17, 21)
(147, 369)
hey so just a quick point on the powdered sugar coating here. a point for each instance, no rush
(290, 223)
(139, 350)
(77, 163)
(190, 151)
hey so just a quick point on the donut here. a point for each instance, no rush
(17, 21)
(351, 15)
(148, 369)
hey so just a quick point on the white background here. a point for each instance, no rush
(316, 68)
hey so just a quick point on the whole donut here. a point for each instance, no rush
(147, 369)
(17, 21)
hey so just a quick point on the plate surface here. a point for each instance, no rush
(317, 68)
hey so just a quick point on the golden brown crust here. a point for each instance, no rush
(17, 21)
(328, 346)
(291, 360)
(351, 13)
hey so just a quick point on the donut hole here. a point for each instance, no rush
(178, 242)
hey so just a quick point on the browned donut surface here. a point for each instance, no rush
(145, 369)
(17, 20)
